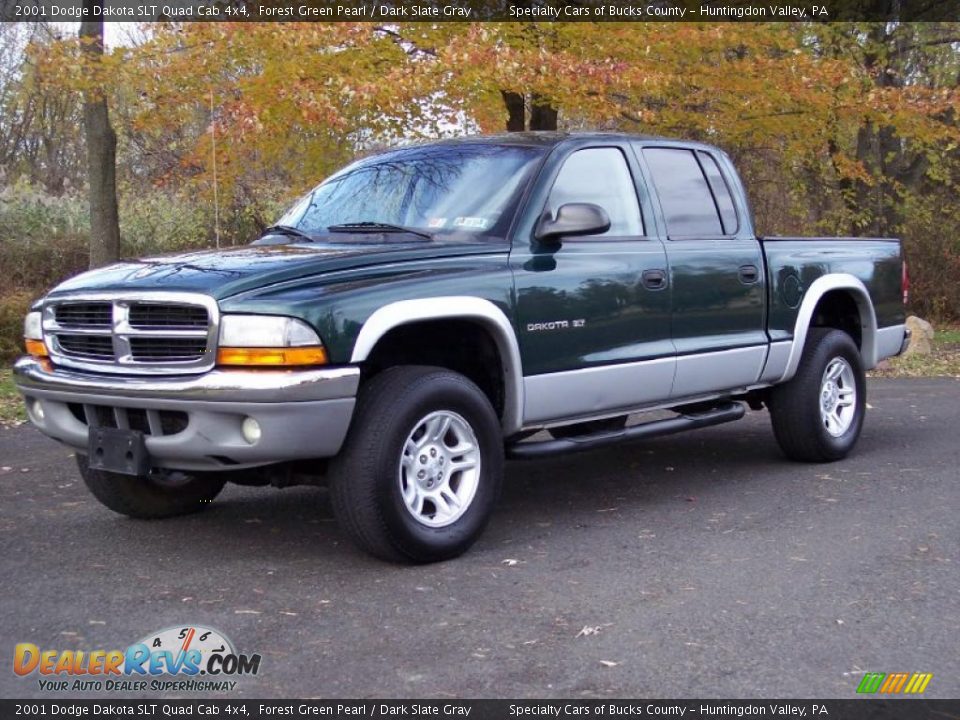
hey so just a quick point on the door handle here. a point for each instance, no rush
(654, 279)
(749, 274)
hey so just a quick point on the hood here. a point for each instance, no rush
(226, 272)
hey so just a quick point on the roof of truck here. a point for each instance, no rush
(550, 137)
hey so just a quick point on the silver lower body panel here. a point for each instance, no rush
(301, 414)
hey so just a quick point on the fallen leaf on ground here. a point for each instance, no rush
(592, 630)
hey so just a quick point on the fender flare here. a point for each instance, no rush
(868, 318)
(466, 307)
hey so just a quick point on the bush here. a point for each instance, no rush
(44, 239)
(931, 244)
(13, 307)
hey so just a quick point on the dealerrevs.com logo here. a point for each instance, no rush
(185, 658)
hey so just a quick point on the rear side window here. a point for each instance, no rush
(688, 206)
(721, 193)
(600, 176)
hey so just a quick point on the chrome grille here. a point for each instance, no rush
(99, 314)
(95, 347)
(148, 333)
(145, 315)
(144, 349)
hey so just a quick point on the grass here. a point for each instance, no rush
(11, 405)
(944, 361)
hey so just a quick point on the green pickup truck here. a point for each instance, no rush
(425, 313)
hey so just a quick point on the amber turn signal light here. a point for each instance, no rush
(272, 357)
(36, 348)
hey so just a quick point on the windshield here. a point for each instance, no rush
(470, 188)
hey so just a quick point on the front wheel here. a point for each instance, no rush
(161, 494)
(818, 414)
(421, 469)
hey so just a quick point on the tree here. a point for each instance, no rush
(40, 126)
(101, 152)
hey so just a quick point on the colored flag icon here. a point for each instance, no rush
(894, 683)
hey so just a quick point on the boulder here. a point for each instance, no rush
(921, 339)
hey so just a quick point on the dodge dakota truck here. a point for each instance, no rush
(429, 311)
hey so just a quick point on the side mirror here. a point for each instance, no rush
(572, 219)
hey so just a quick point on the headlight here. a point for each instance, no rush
(33, 335)
(268, 341)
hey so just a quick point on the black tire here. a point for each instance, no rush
(795, 405)
(589, 427)
(365, 480)
(153, 497)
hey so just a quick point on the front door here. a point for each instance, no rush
(593, 312)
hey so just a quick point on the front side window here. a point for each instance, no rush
(469, 188)
(599, 176)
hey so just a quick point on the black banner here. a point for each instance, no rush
(380, 11)
(858, 709)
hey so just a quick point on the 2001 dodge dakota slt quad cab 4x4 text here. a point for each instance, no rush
(423, 312)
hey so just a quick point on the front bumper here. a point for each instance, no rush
(194, 423)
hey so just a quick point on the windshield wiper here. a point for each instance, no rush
(287, 230)
(374, 226)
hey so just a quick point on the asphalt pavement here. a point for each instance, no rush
(699, 565)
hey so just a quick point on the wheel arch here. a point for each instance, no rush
(821, 290)
(458, 307)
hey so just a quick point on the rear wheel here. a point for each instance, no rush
(161, 494)
(421, 469)
(817, 416)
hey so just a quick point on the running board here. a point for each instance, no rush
(715, 416)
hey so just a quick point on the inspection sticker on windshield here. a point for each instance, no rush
(478, 223)
(436, 222)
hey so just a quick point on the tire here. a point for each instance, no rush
(804, 429)
(159, 495)
(375, 485)
(589, 427)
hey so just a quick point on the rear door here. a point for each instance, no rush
(594, 320)
(715, 262)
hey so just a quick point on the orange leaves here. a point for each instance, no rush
(294, 100)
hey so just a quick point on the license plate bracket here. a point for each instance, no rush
(117, 450)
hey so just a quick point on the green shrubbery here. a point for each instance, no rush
(13, 306)
(44, 239)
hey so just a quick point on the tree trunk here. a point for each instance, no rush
(101, 155)
(543, 116)
(516, 121)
